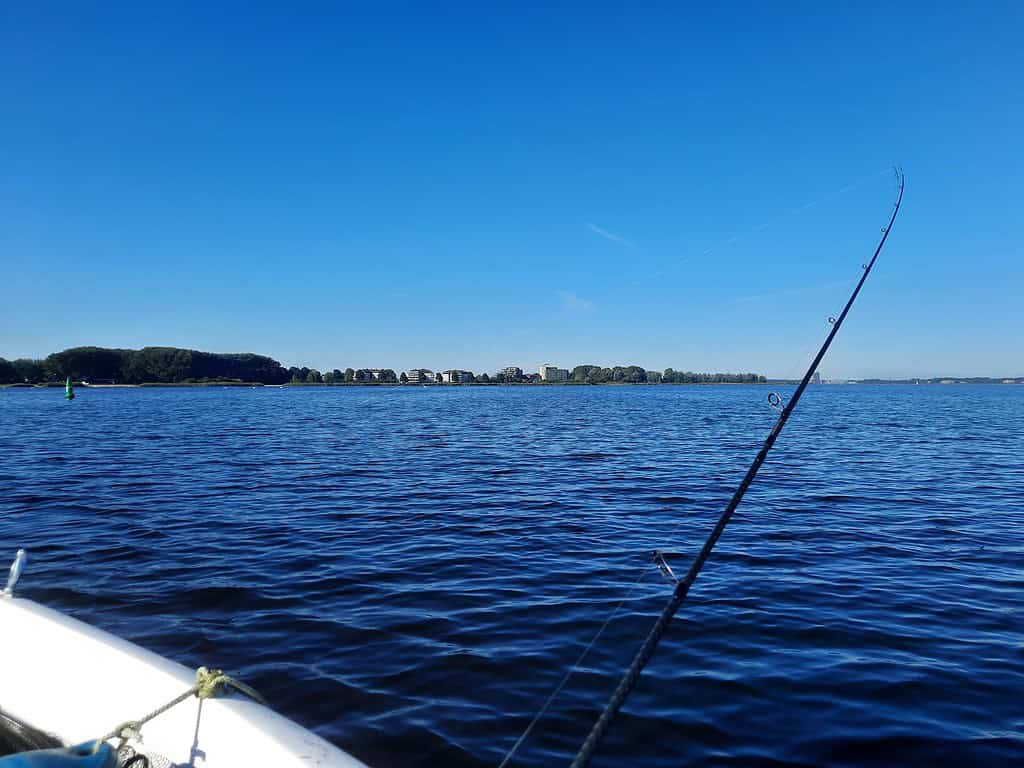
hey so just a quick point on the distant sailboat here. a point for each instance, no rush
(69, 391)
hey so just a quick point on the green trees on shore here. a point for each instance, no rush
(595, 374)
(8, 374)
(634, 374)
(679, 377)
(17, 371)
(165, 365)
(171, 365)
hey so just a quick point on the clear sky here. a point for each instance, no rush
(467, 185)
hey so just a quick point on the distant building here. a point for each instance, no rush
(512, 373)
(456, 377)
(553, 373)
(420, 376)
(816, 378)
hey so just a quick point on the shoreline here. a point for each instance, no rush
(305, 385)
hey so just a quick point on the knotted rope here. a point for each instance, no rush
(209, 683)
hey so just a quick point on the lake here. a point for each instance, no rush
(410, 571)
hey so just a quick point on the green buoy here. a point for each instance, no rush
(69, 391)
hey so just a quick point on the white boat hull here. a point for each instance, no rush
(78, 683)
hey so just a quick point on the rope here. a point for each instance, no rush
(209, 683)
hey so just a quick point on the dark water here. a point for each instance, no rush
(410, 571)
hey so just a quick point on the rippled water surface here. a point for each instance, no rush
(409, 571)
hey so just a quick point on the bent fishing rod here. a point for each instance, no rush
(682, 588)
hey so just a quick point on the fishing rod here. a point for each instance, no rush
(682, 588)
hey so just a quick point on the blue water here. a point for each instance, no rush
(409, 571)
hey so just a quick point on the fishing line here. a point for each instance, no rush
(682, 585)
(740, 234)
(586, 650)
(682, 588)
(843, 287)
(572, 670)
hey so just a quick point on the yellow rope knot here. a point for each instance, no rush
(209, 682)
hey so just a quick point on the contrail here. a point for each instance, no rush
(610, 235)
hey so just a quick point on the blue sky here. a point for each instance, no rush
(467, 185)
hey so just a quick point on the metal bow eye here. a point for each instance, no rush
(16, 568)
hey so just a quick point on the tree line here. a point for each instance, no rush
(163, 365)
(634, 374)
(348, 376)
(172, 365)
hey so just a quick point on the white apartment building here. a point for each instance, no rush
(420, 376)
(456, 377)
(550, 372)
